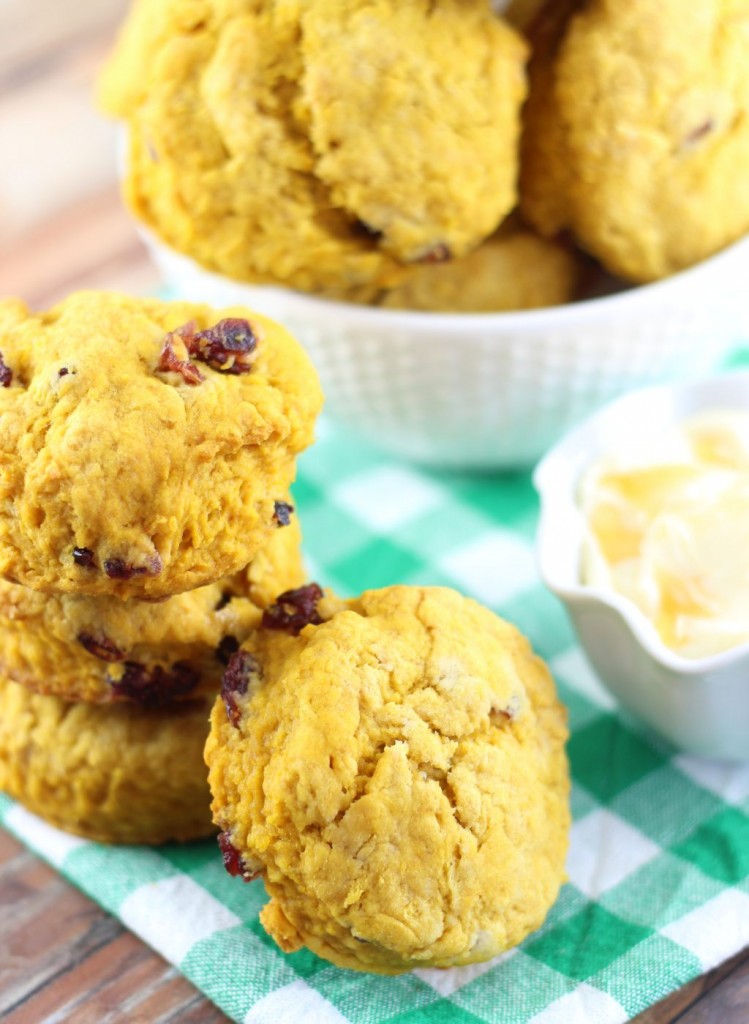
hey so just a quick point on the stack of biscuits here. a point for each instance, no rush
(146, 452)
(391, 765)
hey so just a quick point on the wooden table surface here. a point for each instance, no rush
(62, 227)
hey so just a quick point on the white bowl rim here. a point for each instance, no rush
(578, 593)
(530, 319)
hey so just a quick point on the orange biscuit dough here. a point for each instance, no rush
(116, 774)
(396, 774)
(319, 144)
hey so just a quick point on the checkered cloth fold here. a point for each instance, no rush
(659, 861)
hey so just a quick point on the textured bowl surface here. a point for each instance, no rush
(700, 705)
(493, 390)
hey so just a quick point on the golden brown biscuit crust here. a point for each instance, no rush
(637, 130)
(119, 475)
(319, 144)
(103, 649)
(513, 270)
(397, 775)
(115, 774)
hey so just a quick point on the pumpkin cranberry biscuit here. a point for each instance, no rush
(323, 144)
(636, 131)
(515, 269)
(395, 771)
(116, 774)
(102, 649)
(144, 444)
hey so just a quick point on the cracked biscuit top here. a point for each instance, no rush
(395, 771)
(636, 130)
(320, 144)
(144, 445)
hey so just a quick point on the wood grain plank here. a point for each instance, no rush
(725, 1003)
(174, 1001)
(701, 993)
(118, 974)
(80, 992)
(63, 959)
(194, 1013)
(47, 950)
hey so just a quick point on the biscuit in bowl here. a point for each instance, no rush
(322, 145)
(636, 133)
(515, 269)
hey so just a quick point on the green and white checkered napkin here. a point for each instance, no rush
(659, 862)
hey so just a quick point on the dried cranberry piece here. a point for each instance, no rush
(282, 512)
(228, 346)
(6, 374)
(154, 687)
(83, 557)
(101, 646)
(501, 715)
(241, 669)
(169, 360)
(119, 569)
(439, 253)
(232, 860)
(294, 609)
(228, 646)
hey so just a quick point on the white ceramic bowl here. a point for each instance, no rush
(492, 390)
(700, 705)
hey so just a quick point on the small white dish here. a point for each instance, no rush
(700, 705)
